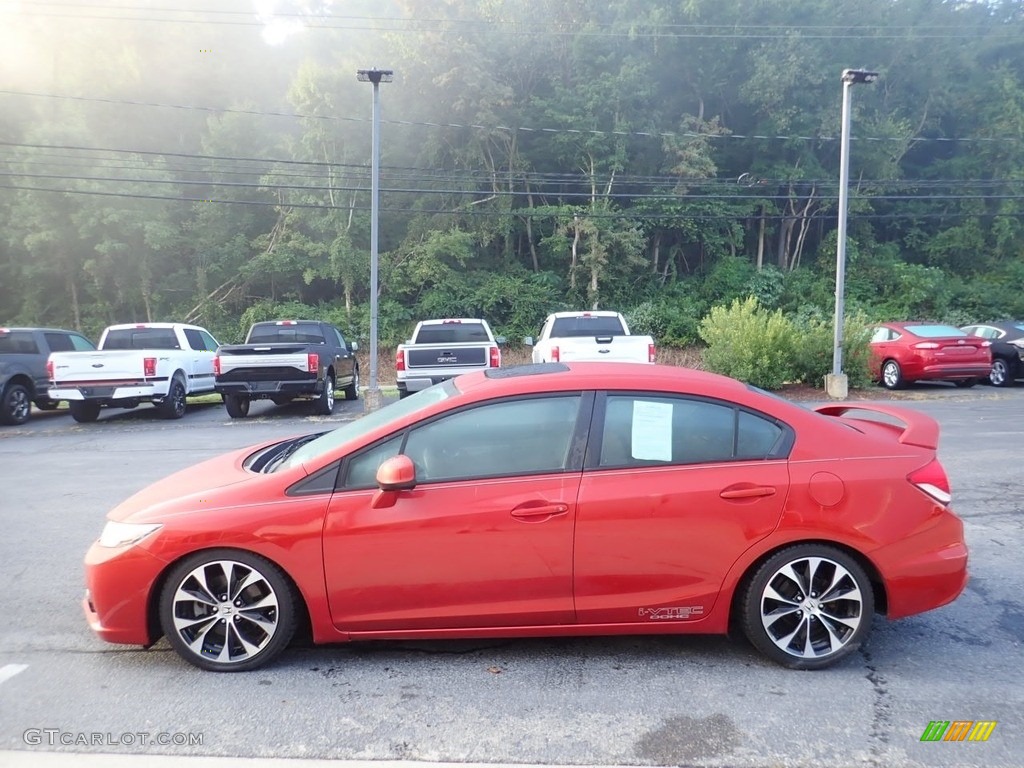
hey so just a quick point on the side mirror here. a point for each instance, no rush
(393, 475)
(528, 341)
(353, 347)
(500, 340)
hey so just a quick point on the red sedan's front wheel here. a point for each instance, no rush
(228, 610)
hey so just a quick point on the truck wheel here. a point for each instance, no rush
(173, 406)
(352, 390)
(324, 405)
(84, 411)
(16, 405)
(46, 404)
(237, 405)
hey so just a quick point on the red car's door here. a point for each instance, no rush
(484, 539)
(679, 489)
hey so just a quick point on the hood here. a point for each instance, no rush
(199, 488)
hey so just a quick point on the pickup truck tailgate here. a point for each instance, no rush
(105, 366)
(271, 361)
(447, 356)
(612, 349)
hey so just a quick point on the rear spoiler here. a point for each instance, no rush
(918, 428)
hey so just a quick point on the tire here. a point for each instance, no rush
(324, 405)
(204, 614)
(801, 630)
(965, 383)
(173, 406)
(84, 411)
(47, 405)
(403, 393)
(16, 405)
(237, 406)
(1002, 373)
(352, 390)
(892, 375)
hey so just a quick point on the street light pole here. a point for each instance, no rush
(836, 384)
(376, 77)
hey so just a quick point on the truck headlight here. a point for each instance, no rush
(117, 534)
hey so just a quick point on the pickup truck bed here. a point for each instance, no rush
(442, 349)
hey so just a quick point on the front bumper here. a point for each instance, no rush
(119, 582)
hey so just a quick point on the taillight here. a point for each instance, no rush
(554, 355)
(49, 370)
(932, 479)
(926, 345)
(313, 362)
(650, 353)
(400, 360)
(216, 366)
(149, 366)
(495, 361)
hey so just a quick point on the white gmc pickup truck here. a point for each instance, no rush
(445, 348)
(573, 337)
(160, 363)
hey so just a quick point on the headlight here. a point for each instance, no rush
(124, 534)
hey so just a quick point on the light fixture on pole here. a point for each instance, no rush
(376, 77)
(836, 382)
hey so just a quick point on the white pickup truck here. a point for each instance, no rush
(442, 349)
(160, 363)
(573, 337)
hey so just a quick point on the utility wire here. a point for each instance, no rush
(520, 129)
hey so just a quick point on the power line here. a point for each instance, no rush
(554, 28)
(520, 129)
(562, 194)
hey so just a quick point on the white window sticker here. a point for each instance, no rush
(652, 431)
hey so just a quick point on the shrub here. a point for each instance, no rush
(750, 343)
(815, 339)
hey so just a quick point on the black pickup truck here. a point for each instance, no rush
(284, 360)
(23, 376)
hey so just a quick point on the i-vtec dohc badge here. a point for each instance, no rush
(672, 614)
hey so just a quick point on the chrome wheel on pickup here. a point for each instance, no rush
(324, 405)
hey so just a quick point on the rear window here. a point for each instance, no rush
(451, 333)
(587, 326)
(17, 342)
(141, 338)
(934, 331)
(286, 334)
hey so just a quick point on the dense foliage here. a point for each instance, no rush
(656, 157)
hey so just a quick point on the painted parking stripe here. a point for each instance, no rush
(10, 670)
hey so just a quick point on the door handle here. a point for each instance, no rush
(532, 510)
(747, 492)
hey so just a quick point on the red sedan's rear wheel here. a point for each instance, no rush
(892, 375)
(228, 610)
(808, 606)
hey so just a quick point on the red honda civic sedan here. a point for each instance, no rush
(552, 499)
(906, 352)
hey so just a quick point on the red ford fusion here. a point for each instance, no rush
(552, 499)
(902, 353)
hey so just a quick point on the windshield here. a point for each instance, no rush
(354, 430)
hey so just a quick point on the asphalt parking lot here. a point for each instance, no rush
(622, 701)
